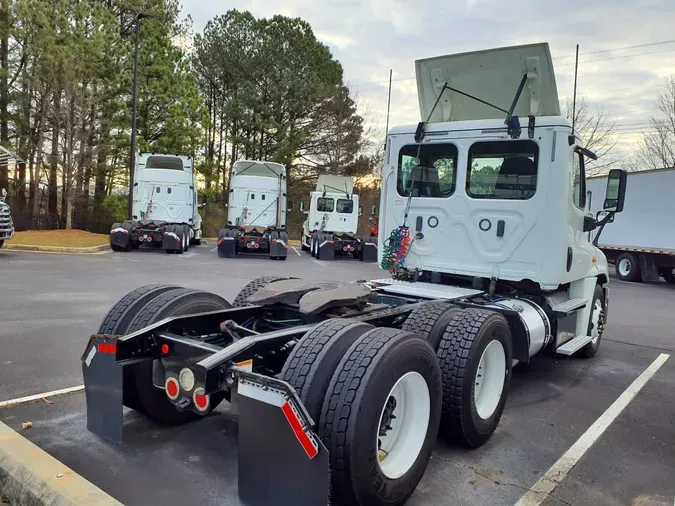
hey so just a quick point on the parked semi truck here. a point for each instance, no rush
(332, 221)
(6, 223)
(256, 211)
(343, 387)
(641, 241)
(165, 212)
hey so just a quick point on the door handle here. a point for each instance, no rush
(501, 224)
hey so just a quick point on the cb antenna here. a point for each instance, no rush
(574, 99)
(386, 130)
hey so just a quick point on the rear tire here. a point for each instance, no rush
(358, 409)
(475, 383)
(667, 274)
(628, 268)
(120, 316)
(252, 287)
(310, 366)
(430, 321)
(179, 301)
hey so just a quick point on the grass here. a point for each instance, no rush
(67, 238)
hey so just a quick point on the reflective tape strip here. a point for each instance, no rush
(119, 229)
(308, 444)
(272, 397)
(280, 241)
(107, 347)
(326, 242)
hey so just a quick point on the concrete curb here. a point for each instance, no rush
(28, 475)
(56, 249)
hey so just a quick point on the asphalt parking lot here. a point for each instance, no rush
(50, 304)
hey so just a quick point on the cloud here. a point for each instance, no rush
(369, 37)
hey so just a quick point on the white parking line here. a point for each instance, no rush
(317, 262)
(214, 249)
(37, 397)
(296, 251)
(540, 491)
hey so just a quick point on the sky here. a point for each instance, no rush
(627, 47)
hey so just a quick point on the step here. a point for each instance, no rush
(426, 290)
(574, 345)
(569, 306)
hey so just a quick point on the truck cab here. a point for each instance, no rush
(6, 224)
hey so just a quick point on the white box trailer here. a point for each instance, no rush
(641, 240)
(164, 208)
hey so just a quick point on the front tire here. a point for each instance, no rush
(380, 417)
(627, 267)
(475, 356)
(302, 243)
(595, 323)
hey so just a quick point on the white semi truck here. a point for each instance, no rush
(343, 387)
(6, 223)
(641, 241)
(332, 221)
(256, 211)
(164, 209)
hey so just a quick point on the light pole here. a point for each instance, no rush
(132, 154)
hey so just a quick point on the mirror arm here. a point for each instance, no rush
(601, 226)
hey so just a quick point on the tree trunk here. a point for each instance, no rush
(35, 178)
(100, 178)
(54, 160)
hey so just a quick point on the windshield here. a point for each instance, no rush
(164, 162)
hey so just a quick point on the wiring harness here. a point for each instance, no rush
(396, 248)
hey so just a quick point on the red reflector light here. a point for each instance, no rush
(141, 239)
(172, 389)
(149, 239)
(220, 241)
(200, 399)
(107, 347)
(165, 349)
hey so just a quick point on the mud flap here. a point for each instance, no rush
(103, 387)
(281, 459)
(120, 237)
(369, 252)
(171, 240)
(227, 247)
(327, 250)
(278, 248)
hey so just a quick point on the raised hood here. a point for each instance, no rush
(335, 184)
(258, 168)
(492, 75)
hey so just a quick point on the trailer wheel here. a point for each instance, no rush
(253, 286)
(386, 390)
(475, 355)
(310, 366)
(430, 321)
(595, 323)
(627, 267)
(179, 301)
(668, 275)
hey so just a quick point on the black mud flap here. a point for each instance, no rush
(120, 237)
(369, 252)
(171, 240)
(103, 387)
(278, 249)
(281, 459)
(327, 250)
(227, 247)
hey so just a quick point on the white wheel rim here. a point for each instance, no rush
(405, 432)
(624, 267)
(595, 331)
(489, 382)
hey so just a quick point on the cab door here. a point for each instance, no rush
(580, 247)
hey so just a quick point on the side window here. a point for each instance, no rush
(504, 170)
(427, 171)
(579, 181)
(345, 206)
(324, 205)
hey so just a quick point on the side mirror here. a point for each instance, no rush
(373, 210)
(289, 206)
(302, 206)
(4, 193)
(616, 190)
(360, 210)
(200, 206)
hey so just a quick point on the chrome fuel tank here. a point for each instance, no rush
(536, 322)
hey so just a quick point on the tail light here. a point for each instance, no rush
(172, 388)
(201, 400)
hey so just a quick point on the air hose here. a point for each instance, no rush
(396, 249)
